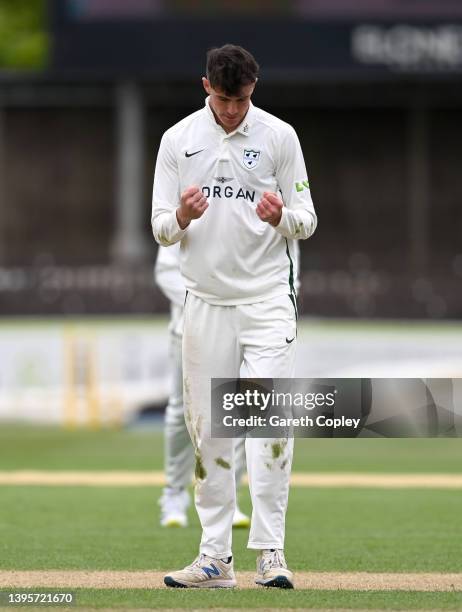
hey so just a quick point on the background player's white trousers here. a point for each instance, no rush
(216, 341)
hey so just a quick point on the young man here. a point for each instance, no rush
(231, 185)
(179, 453)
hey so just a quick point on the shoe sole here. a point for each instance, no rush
(279, 582)
(216, 584)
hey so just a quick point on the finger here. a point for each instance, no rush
(274, 199)
(196, 197)
(264, 202)
(201, 200)
(200, 205)
(262, 209)
(189, 193)
(202, 209)
(193, 204)
(266, 207)
(262, 214)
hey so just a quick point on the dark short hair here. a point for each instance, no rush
(230, 67)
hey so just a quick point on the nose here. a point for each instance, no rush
(231, 108)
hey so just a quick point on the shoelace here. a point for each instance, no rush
(273, 559)
(197, 562)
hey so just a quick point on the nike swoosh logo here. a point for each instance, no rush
(191, 154)
(291, 340)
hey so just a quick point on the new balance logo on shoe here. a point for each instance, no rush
(211, 571)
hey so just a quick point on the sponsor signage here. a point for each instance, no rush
(153, 37)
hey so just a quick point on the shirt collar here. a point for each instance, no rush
(243, 128)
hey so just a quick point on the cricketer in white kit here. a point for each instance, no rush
(231, 184)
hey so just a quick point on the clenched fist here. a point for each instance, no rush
(269, 208)
(193, 205)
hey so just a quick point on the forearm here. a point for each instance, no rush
(298, 224)
(165, 227)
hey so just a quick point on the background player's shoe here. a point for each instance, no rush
(204, 572)
(240, 520)
(173, 506)
(272, 570)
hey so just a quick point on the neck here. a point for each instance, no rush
(228, 131)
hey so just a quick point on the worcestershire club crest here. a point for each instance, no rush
(251, 158)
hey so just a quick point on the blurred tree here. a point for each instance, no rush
(23, 34)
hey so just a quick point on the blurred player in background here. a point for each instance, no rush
(231, 185)
(179, 452)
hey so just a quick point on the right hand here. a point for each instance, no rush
(193, 205)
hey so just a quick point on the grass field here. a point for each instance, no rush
(333, 530)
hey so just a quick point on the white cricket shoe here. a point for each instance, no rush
(272, 570)
(240, 520)
(204, 572)
(173, 506)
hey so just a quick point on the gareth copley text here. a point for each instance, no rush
(276, 420)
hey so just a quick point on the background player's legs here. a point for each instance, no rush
(265, 329)
(179, 453)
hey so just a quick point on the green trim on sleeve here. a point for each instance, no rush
(292, 293)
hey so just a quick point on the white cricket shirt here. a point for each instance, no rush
(168, 276)
(229, 256)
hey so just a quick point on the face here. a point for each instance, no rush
(229, 110)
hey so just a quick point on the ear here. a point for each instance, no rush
(206, 85)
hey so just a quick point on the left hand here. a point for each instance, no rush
(269, 208)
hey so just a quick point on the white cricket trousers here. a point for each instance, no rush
(217, 340)
(179, 453)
